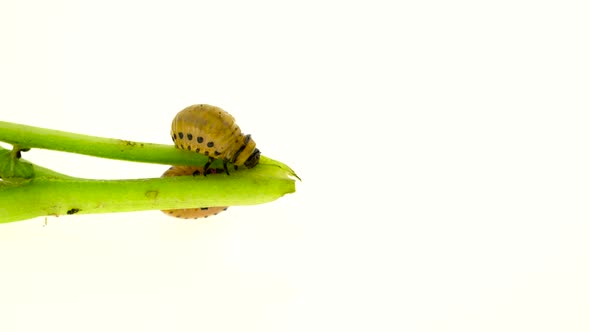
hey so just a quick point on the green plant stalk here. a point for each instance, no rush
(45, 196)
(52, 193)
(36, 137)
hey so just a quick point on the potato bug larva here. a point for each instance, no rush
(196, 212)
(211, 131)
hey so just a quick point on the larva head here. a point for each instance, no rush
(253, 159)
(247, 155)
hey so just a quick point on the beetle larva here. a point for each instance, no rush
(213, 132)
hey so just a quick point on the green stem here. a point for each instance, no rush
(57, 196)
(36, 137)
(42, 191)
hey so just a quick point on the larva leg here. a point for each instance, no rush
(225, 167)
(206, 167)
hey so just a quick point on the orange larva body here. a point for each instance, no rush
(196, 212)
(211, 131)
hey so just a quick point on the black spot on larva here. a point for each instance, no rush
(210, 144)
(189, 136)
(206, 153)
(200, 139)
(197, 172)
(181, 135)
(225, 209)
(181, 147)
(205, 208)
(174, 137)
(188, 147)
(217, 153)
(198, 150)
(73, 211)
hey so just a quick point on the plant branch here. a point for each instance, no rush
(58, 196)
(29, 190)
(36, 137)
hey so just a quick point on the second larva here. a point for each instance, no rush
(193, 213)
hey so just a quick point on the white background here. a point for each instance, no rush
(443, 147)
